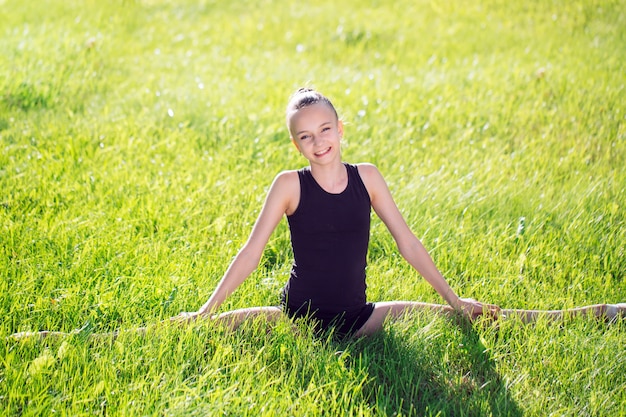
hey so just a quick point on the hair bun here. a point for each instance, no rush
(304, 97)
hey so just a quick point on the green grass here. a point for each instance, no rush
(139, 138)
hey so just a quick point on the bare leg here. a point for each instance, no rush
(382, 310)
(235, 318)
(395, 309)
(231, 319)
(46, 334)
(608, 311)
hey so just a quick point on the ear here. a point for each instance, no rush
(340, 128)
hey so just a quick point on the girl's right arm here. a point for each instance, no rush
(280, 198)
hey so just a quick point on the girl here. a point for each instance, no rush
(327, 206)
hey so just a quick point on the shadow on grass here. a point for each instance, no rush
(446, 371)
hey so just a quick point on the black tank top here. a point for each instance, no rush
(329, 238)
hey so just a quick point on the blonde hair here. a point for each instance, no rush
(305, 97)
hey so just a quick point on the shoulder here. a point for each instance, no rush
(372, 179)
(369, 173)
(365, 168)
(286, 188)
(286, 180)
(286, 177)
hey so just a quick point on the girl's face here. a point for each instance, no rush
(317, 133)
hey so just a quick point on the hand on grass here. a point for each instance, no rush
(186, 317)
(473, 309)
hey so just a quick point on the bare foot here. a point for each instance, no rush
(615, 310)
(40, 335)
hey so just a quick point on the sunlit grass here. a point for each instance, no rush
(138, 141)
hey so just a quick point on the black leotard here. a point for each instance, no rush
(329, 237)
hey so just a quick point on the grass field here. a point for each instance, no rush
(139, 138)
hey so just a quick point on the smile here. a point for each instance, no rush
(322, 153)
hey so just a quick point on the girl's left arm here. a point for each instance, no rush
(408, 244)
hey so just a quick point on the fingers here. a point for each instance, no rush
(492, 311)
(183, 317)
(187, 317)
(474, 309)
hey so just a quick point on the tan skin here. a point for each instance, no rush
(316, 133)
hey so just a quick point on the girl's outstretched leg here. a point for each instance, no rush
(41, 335)
(233, 319)
(607, 311)
(50, 334)
(395, 309)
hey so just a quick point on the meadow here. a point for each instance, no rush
(139, 139)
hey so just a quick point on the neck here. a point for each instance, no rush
(332, 178)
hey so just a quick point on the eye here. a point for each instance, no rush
(325, 129)
(304, 137)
